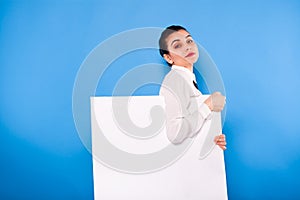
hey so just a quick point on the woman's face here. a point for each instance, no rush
(183, 51)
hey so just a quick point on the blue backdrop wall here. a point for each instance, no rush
(255, 44)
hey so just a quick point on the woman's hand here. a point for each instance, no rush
(220, 140)
(215, 102)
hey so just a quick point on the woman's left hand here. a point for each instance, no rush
(220, 140)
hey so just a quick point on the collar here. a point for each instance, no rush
(186, 72)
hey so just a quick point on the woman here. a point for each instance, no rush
(185, 112)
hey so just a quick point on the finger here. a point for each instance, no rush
(222, 135)
(222, 147)
(217, 138)
(221, 139)
(222, 143)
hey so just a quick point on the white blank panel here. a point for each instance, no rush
(191, 177)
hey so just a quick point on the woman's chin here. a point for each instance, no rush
(192, 61)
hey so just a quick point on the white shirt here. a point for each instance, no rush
(185, 112)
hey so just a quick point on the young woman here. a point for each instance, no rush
(185, 113)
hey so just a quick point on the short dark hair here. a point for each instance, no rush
(163, 49)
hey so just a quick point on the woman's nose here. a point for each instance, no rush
(187, 47)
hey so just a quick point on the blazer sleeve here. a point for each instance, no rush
(184, 115)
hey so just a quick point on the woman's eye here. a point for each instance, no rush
(177, 46)
(190, 41)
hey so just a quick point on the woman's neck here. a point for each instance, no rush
(189, 67)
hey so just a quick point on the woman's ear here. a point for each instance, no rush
(168, 58)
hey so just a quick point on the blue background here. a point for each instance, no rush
(255, 45)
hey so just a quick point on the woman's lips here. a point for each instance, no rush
(190, 54)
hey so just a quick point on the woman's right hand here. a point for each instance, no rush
(215, 102)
